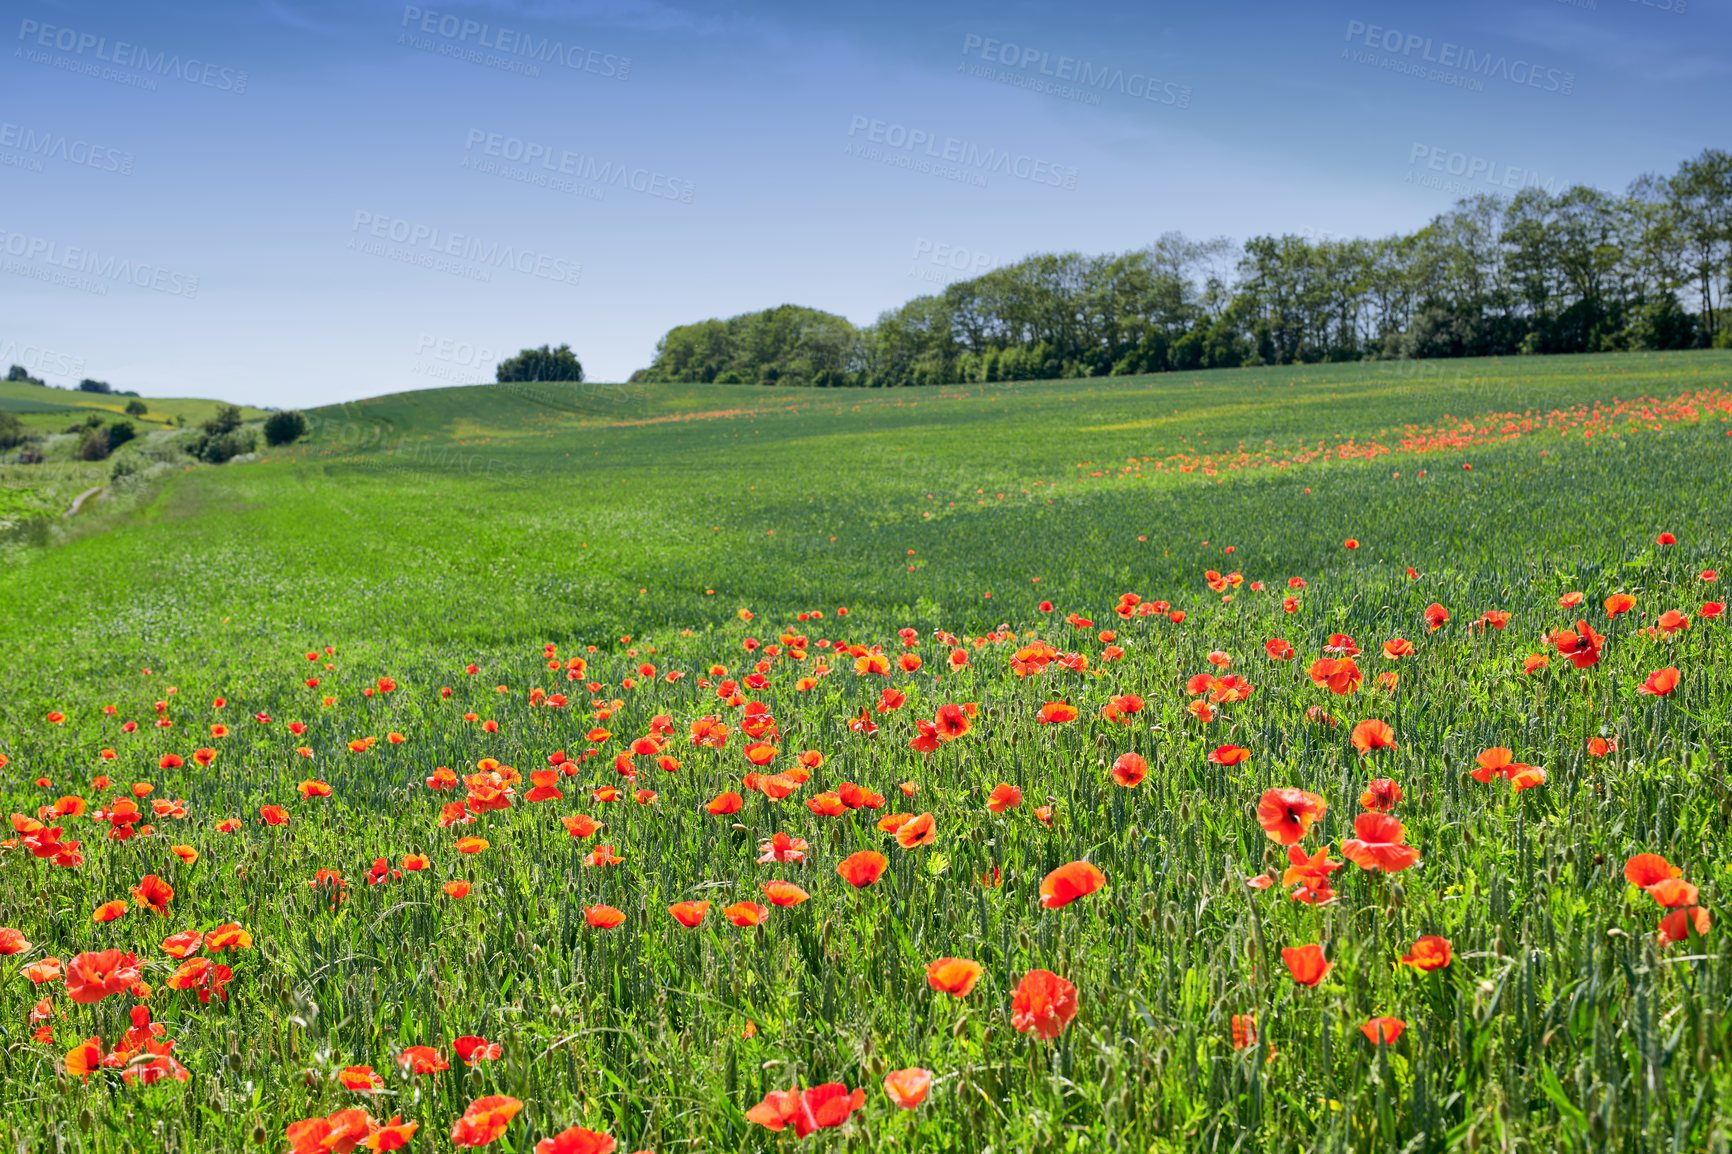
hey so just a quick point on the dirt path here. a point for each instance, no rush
(79, 500)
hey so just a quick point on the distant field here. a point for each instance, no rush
(17, 397)
(851, 563)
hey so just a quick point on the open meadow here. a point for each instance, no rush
(1325, 757)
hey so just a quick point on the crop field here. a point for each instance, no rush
(1306, 758)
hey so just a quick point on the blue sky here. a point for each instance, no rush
(290, 203)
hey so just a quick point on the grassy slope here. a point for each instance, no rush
(421, 531)
(527, 518)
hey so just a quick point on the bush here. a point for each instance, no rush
(94, 446)
(543, 364)
(223, 447)
(285, 427)
(11, 431)
(119, 433)
(136, 408)
(227, 420)
(30, 454)
(20, 373)
(89, 386)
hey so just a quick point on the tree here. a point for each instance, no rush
(20, 373)
(285, 427)
(119, 433)
(136, 408)
(543, 364)
(11, 431)
(89, 386)
(226, 420)
(94, 446)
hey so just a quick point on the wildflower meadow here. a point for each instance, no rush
(1299, 758)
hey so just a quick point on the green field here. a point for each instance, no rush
(665, 525)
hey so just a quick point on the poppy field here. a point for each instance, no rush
(1305, 758)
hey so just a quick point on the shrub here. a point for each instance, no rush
(543, 364)
(11, 431)
(94, 446)
(224, 447)
(119, 433)
(136, 408)
(227, 420)
(285, 427)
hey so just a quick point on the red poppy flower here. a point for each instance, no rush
(783, 893)
(1129, 769)
(917, 831)
(1306, 964)
(422, 1060)
(485, 1120)
(1372, 735)
(689, 914)
(1043, 1004)
(953, 976)
(1377, 844)
(819, 1108)
(1004, 797)
(1647, 869)
(153, 893)
(1676, 926)
(1339, 675)
(576, 1140)
(746, 913)
(91, 977)
(603, 917)
(1067, 883)
(1660, 682)
(1429, 953)
(1229, 755)
(1385, 1030)
(1382, 795)
(1286, 814)
(862, 868)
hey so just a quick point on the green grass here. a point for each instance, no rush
(414, 534)
(20, 398)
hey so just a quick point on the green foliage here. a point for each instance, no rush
(786, 345)
(89, 386)
(120, 432)
(1540, 272)
(12, 432)
(226, 419)
(136, 408)
(220, 448)
(94, 445)
(22, 375)
(285, 427)
(1561, 1023)
(543, 364)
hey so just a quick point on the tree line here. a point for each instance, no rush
(1581, 270)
